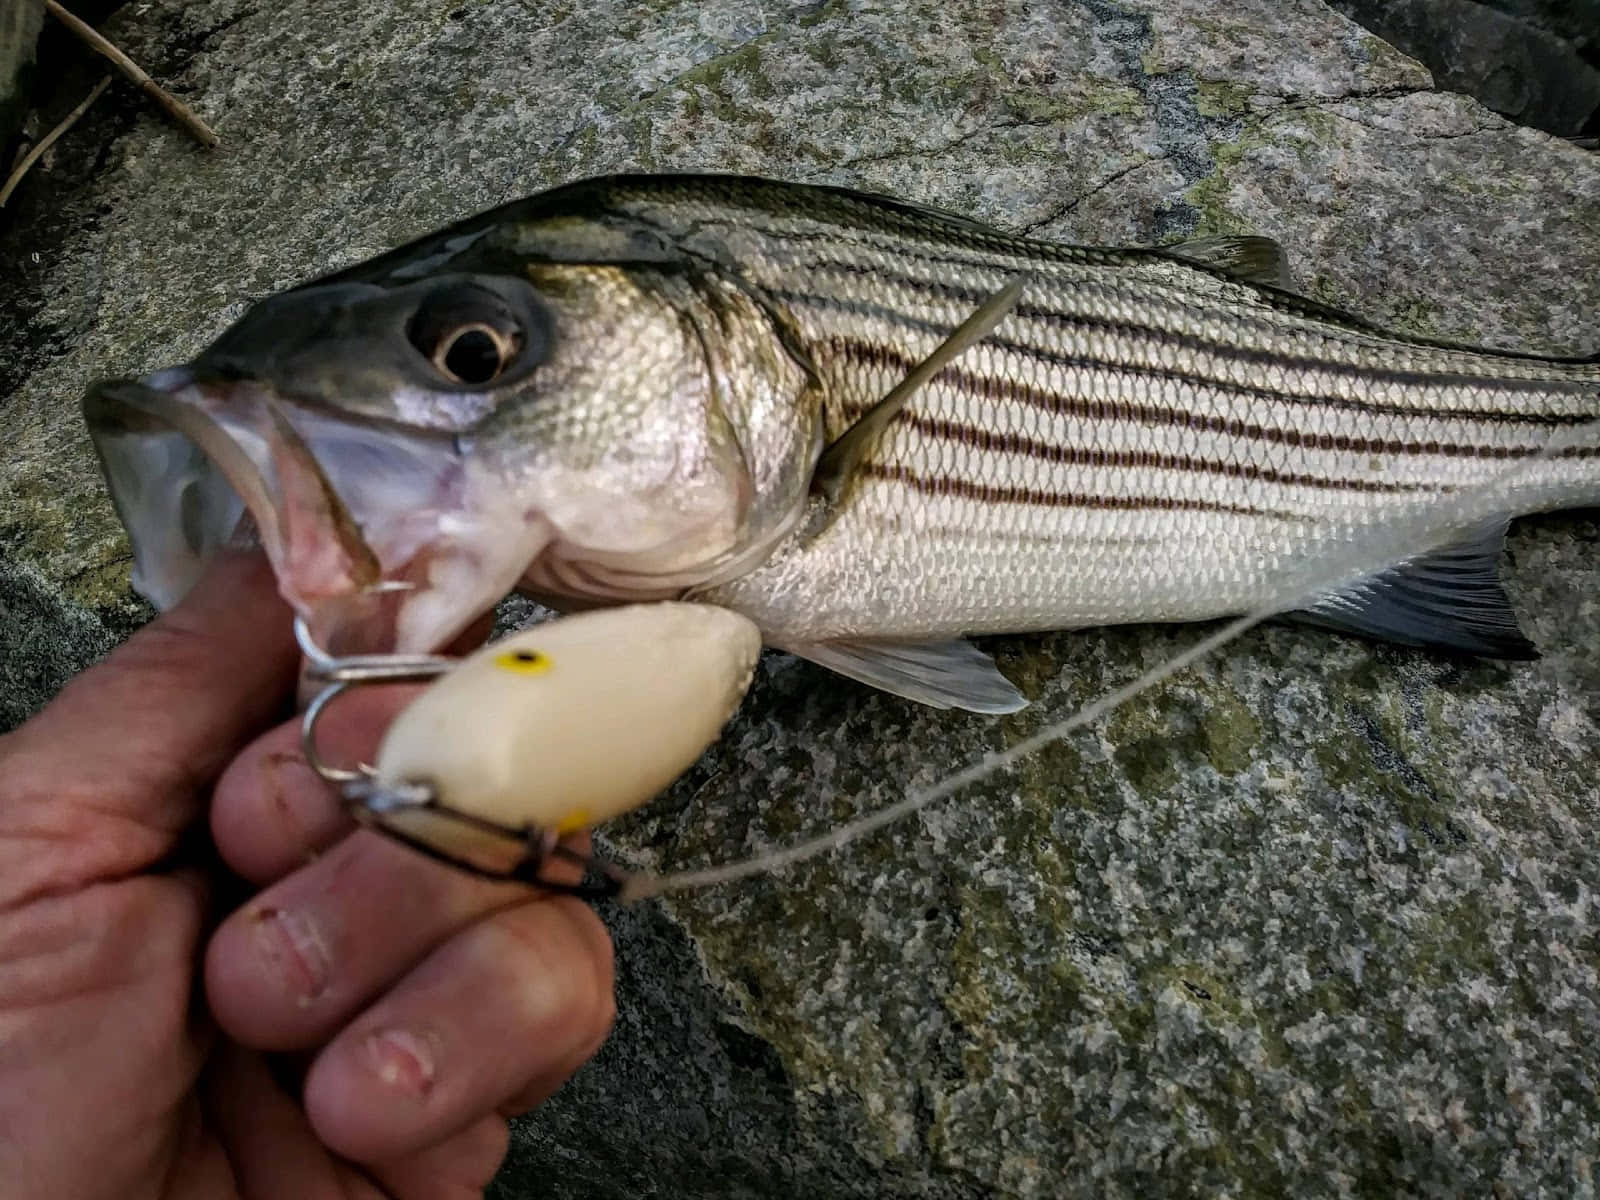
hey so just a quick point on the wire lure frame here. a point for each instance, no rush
(378, 805)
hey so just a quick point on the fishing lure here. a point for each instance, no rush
(540, 734)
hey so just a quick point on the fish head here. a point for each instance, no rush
(670, 445)
(405, 448)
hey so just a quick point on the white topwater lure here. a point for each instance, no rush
(540, 734)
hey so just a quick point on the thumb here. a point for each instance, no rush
(117, 765)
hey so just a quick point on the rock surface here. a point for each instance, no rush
(1577, 21)
(1317, 918)
(1537, 63)
(20, 22)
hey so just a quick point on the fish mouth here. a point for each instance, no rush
(383, 538)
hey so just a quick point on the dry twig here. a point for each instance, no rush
(50, 139)
(179, 111)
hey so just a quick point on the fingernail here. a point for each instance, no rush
(401, 1060)
(294, 947)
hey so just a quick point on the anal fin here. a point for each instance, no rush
(943, 674)
(1451, 600)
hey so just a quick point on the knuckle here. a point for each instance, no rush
(562, 947)
(166, 646)
(595, 990)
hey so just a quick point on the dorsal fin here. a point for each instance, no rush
(1250, 259)
(844, 456)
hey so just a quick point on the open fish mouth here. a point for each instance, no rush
(382, 537)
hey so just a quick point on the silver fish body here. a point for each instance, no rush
(1150, 434)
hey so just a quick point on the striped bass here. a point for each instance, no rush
(747, 392)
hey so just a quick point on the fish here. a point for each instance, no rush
(875, 428)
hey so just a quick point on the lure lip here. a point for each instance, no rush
(529, 851)
(381, 538)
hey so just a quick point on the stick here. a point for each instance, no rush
(179, 111)
(50, 139)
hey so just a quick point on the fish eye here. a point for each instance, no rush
(468, 334)
(472, 354)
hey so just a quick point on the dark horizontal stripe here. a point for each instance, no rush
(1187, 342)
(870, 354)
(1193, 379)
(984, 493)
(1084, 456)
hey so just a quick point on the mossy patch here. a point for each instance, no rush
(1211, 195)
(1220, 98)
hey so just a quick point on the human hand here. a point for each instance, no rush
(366, 1021)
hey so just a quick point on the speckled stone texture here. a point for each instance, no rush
(1318, 918)
(1576, 21)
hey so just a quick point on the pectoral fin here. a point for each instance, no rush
(949, 674)
(1452, 600)
(844, 456)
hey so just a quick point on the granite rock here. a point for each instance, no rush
(1535, 63)
(20, 22)
(1317, 918)
(1576, 21)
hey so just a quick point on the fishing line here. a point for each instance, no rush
(1379, 542)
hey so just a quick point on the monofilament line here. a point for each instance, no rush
(1375, 545)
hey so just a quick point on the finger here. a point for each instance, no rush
(272, 1151)
(462, 1165)
(541, 1087)
(266, 1135)
(167, 708)
(501, 1004)
(292, 966)
(288, 969)
(114, 766)
(271, 812)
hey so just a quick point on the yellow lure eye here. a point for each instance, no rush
(523, 662)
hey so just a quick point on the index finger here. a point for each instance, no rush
(130, 743)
